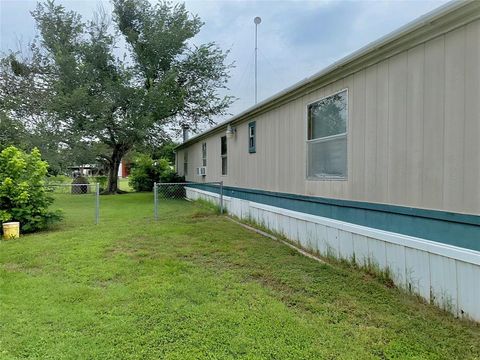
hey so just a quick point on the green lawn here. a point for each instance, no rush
(196, 286)
(123, 184)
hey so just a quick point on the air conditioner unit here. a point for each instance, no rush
(202, 171)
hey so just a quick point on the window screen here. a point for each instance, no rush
(223, 151)
(327, 137)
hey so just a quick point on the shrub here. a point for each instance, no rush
(146, 171)
(102, 180)
(23, 192)
(171, 176)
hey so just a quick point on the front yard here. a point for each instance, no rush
(197, 286)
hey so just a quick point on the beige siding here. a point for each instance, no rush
(453, 170)
(397, 121)
(471, 198)
(414, 124)
(433, 124)
(371, 133)
(357, 102)
(381, 169)
(413, 133)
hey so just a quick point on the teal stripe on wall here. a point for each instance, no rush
(445, 227)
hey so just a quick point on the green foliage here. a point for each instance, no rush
(101, 180)
(146, 171)
(12, 132)
(166, 150)
(23, 191)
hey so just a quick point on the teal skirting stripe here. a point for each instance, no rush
(445, 227)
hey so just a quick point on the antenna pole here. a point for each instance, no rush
(256, 49)
(257, 21)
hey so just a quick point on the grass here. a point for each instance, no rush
(196, 286)
(123, 184)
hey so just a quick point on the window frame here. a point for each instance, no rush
(185, 163)
(326, 138)
(252, 149)
(204, 154)
(224, 155)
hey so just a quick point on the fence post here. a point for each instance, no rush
(155, 201)
(97, 203)
(221, 197)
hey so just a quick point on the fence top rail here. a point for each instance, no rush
(173, 183)
(94, 184)
(192, 183)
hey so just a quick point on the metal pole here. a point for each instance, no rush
(256, 49)
(155, 201)
(221, 197)
(97, 203)
(257, 21)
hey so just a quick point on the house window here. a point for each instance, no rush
(327, 137)
(185, 163)
(223, 152)
(204, 154)
(252, 133)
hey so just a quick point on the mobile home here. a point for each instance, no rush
(375, 159)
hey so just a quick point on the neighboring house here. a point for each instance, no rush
(84, 170)
(376, 158)
(123, 169)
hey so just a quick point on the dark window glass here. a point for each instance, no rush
(224, 145)
(252, 135)
(185, 163)
(204, 154)
(223, 151)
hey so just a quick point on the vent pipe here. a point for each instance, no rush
(185, 129)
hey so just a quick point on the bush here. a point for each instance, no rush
(101, 180)
(23, 192)
(146, 171)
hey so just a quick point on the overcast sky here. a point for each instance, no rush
(296, 38)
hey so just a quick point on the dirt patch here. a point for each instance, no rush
(12, 267)
(19, 268)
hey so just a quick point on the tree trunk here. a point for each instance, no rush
(113, 167)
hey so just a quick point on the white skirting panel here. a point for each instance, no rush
(444, 275)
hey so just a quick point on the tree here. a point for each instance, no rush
(25, 122)
(161, 150)
(166, 151)
(12, 132)
(98, 97)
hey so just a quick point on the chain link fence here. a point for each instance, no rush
(87, 196)
(80, 193)
(163, 192)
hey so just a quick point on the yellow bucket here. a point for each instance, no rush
(11, 230)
